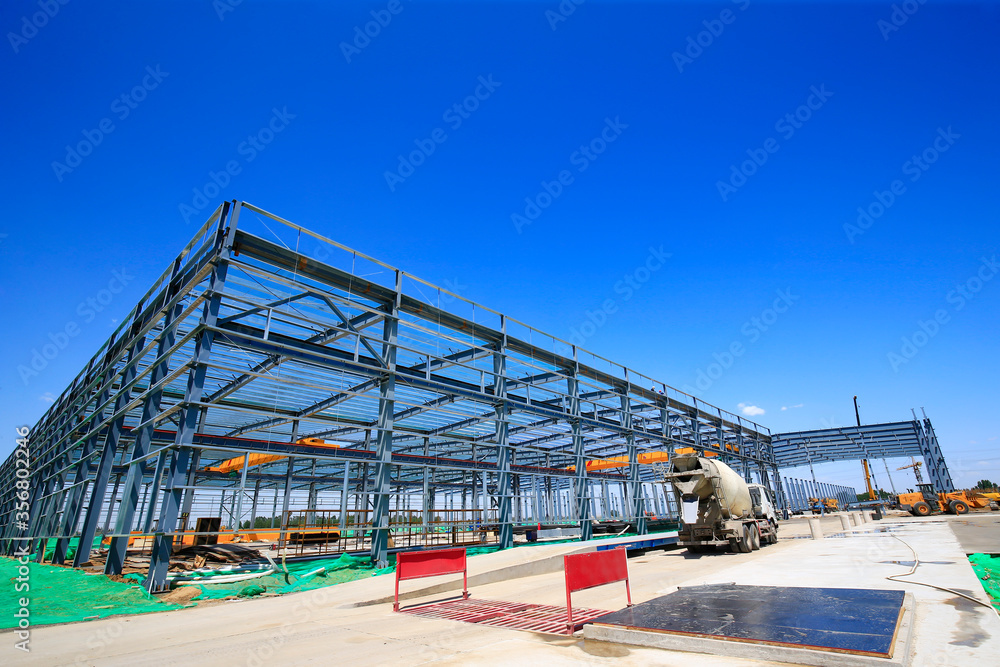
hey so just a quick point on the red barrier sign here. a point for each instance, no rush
(420, 564)
(588, 570)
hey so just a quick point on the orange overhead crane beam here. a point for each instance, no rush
(237, 462)
(646, 458)
(622, 461)
(707, 453)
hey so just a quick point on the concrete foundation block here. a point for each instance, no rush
(901, 657)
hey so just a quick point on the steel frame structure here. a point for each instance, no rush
(251, 342)
(799, 491)
(871, 441)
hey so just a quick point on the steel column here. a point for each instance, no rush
(143, 438)
(383, 444)
(579, 457)
(637, 505)
(163, 542)
(503, 445)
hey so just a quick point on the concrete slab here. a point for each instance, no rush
(752, 651)
(854, 621)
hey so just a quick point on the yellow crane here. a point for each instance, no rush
(916, 469)
(864, 462)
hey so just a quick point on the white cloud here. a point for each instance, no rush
(785, 407)
(750, 410)
(47, 397)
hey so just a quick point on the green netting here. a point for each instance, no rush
(50, 546)
(302, 576)
(987, 568)
(63, 595)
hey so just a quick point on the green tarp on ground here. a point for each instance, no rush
(50, 547)
(63, 595)
(338, 570)
(987, 568)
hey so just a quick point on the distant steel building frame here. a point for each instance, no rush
(870, 441)
(250, 343)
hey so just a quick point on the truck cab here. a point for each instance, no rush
(762, 505)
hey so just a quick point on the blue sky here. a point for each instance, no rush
(737, 138)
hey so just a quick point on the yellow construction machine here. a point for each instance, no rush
(925, 501)
(820, 505)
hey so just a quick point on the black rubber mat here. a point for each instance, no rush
(846, 620)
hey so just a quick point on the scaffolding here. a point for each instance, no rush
(271, 370)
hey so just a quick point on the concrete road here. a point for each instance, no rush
(326, 627)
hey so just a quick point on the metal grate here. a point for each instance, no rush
(513, 615)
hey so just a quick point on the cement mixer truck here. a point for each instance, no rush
(718, 508)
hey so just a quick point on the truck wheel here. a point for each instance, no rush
(921, 509)
(754, 538)
(740, 544)
(958, 507)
